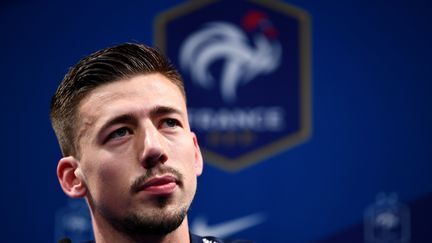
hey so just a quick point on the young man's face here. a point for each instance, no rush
(138, 159)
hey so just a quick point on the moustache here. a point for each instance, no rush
(138, 182)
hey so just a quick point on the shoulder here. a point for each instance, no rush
(211, 239)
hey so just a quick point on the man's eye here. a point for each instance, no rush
(170, 123)
(119, 133)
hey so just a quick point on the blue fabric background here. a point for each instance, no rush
(371, 94)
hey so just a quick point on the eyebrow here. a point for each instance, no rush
(125, 118)
(130, 118)
(164, 110)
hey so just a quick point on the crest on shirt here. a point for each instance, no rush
(246, 70)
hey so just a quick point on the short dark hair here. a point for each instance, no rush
(107, 65)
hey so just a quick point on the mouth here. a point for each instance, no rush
(160, 185)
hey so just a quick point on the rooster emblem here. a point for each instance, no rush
(243, 60)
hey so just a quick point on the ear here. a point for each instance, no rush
(198, 156)
(71, 178)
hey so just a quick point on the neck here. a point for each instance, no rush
(105, 233)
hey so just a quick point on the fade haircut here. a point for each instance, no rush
(105, 66)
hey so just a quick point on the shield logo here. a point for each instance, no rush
(246, 68)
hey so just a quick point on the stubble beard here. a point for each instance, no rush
(163, 218)
(159, 221)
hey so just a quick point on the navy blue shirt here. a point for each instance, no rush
(193, 239)
(210, 239)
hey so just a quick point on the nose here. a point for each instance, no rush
(153, 151)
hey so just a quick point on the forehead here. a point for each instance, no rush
(138, 94)
(155, 86)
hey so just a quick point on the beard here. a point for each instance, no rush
(156, 223)
(163, 218)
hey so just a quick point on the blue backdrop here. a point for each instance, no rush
(371, 121)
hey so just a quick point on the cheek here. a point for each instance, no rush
(183, 151)
(109, 187)
(107, 175)
(188, 161)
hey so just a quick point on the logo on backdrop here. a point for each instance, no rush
(246, 70)
(227, 228)
(73, 221)
(226, 42)
(387, 220)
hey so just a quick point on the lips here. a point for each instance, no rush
(160, 185)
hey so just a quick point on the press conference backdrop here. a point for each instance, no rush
(314, 116)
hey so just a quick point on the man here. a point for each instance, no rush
(121, 121)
